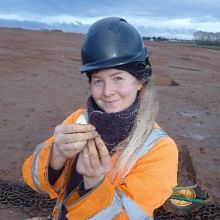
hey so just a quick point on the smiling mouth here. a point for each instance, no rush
(110, 102)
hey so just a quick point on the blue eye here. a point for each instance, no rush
(118, 78)
(97, 82)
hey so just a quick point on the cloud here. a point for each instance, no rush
(94, 8)
(163, 15)
(79, 27)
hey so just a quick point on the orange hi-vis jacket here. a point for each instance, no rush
(147, 186)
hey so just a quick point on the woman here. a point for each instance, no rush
(110, 161)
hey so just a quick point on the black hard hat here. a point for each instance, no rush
(111, 42)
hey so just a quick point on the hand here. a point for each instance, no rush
(69, 140)
(94, 162)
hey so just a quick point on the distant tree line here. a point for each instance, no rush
(156, 38)
(207, 38)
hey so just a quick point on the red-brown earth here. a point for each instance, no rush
(40, 85)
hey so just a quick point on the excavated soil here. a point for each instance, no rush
(40, 85)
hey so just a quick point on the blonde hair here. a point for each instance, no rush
(146, 116)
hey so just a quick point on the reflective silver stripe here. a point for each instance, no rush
(34, 168)
(34, 172)
(119, 203)
(155, 135)
(39, 147)
(111, 211)
(134, 212)
(83, 118)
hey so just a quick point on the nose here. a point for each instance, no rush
(108, 89)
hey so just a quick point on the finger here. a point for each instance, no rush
(77, 137)
(80, 166)
(93, 155)
(74, 147)
(74, 128)
(86, 161)
(103, 153)
(101, 147)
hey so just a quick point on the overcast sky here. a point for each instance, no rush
(168, 18)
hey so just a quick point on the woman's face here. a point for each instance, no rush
(114, 90)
